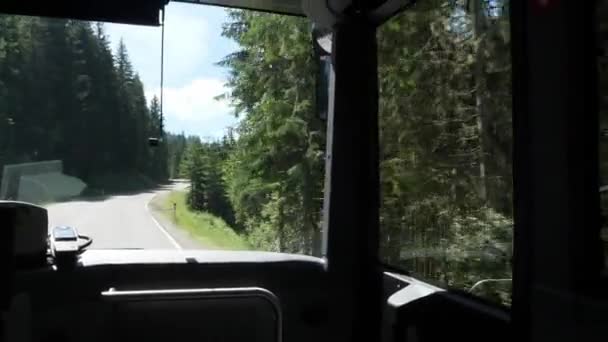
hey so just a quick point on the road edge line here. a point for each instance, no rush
(161, 228)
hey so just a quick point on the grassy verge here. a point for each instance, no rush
(211, 230)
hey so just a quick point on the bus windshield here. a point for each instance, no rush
(231, 156)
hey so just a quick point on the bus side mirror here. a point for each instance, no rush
(153, 142)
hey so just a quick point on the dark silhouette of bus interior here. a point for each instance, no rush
(559, 290)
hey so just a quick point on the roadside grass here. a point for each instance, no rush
(211, 230)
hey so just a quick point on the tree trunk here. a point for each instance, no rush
(281, 227)
(478, 21)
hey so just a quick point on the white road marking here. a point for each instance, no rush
(160, 227)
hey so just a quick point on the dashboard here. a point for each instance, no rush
(128, 295)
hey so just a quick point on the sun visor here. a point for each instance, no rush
(138, 12)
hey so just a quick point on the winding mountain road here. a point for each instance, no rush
(121, 221)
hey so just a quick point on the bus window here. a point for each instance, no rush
(445, 145)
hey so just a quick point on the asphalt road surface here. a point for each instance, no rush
(122, 221)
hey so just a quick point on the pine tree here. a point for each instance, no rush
(274, 173)
(64, 96)
(159, 155)
(127, 120)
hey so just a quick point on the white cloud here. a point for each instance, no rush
(192, 108)
(194, 99)
(187, 38)
(193, 44)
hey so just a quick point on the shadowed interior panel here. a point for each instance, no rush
(208, 319)
(69, 306)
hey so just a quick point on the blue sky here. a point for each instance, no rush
(193, 44)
